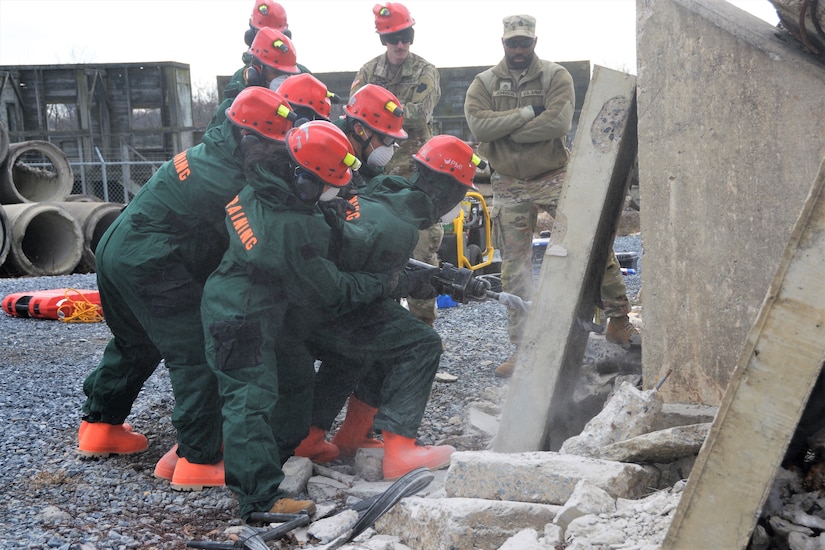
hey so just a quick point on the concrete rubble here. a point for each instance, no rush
(619, 490)
(532, 500)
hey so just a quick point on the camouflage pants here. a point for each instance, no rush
(429, 240)
(514, 214)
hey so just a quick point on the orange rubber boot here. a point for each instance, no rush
(354, 432)
(165, 468)
(126, 426)
(402, 455)
(316, 448)
(194, 477)
(101, 440)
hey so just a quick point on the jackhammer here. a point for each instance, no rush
(462, 285)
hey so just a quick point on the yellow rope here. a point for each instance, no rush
(78, 311)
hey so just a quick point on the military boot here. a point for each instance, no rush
(622, 332)
(292, 506)
(505, 370)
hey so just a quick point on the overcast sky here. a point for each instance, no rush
(329, 35)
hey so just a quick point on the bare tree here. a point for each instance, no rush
(204, 103)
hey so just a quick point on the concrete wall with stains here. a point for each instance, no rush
(730, 140)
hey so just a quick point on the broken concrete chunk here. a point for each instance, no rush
(630, 412)
(658, 447)
(541, 477)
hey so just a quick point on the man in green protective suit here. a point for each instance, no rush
(275, 259)
(152, 263)
(390, 356)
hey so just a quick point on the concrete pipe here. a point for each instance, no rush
(4, 143)
(45, 240)
(5, 236)
(82, 198)
(94, 219)
(35, 171)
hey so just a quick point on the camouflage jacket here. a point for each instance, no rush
(499, 112)
(417, 86)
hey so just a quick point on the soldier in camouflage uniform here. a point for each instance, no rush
(521, 111)
(416, 84)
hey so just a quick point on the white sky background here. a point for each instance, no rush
(329, 35)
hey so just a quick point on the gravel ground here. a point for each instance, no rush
(54, 499)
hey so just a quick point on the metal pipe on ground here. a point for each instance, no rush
(35, 171)
(94, 219)
(45, 240)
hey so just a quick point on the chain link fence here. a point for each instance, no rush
(111, 181)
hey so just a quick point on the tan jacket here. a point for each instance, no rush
(500, 116)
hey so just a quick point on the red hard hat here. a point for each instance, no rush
(267, 13)
(449, 155)
(274, 49)
(391, 17)
(304, 90)
(379, 109)
(323, 149)
(262, 111)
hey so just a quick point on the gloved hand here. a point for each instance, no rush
(336, 206)
(419, 285)
(512, 301)
(413, 283)
(538, 109)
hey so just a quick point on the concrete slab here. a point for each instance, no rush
(461, 523)
(541, 477)
(779, 366)
(730, 139)
(538, 414)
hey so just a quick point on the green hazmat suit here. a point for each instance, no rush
(152, 263)
(390, 355)
(276, 257)
(236, 84)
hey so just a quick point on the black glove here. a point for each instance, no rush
(336, 206)
(419, 283)
(538, 109)
(413, 283)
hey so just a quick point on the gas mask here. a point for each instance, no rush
(307, 186)
(380, 156)
(452, 214)
(329, 194)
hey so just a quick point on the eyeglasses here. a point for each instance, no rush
(519, 42)
(401, 36)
